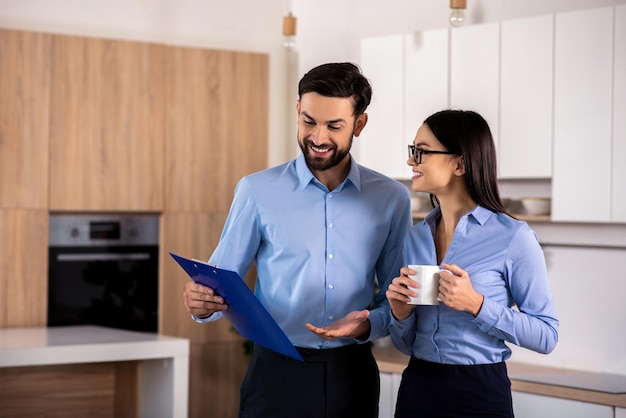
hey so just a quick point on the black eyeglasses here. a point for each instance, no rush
(416, 153)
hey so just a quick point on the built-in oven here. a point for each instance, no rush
(104, 270)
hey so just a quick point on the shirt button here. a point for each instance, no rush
(330, 286)
(331, 255)
(330, 317)
(330, 225)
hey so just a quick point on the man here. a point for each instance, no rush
(323, 231)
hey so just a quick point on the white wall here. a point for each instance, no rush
(244, 25)
(587, 283)
(330, 30)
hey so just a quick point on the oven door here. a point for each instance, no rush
(112, 286)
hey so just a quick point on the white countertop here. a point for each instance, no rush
(83, 344)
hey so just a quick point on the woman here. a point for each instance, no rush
(494, 291)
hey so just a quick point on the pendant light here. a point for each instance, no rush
(289, 31)
(457, 15)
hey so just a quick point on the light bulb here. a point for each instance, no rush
(457, 18)
(289, 42)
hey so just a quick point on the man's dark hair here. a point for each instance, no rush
(338, 80)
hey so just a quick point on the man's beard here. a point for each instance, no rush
(323, 163)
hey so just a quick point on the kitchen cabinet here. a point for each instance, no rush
(389, 385)
(618, 177)
(525, 146)
(107, 125)
(24, 117)
(475, 71)
(100, 122)
(426, 79)
(216, 350)
(23, 267)
(79, 371)
(583, 91)
(620, 412)
(192, 235)
(528, 405)
(217, 125)
(409, 76)
(415, 75)
(382, 144)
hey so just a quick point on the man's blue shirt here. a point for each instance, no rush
(317, 252)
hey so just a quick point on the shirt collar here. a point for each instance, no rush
(305, 176)
(481, 214)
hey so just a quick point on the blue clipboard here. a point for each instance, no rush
(245, 312)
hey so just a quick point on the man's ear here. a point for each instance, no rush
(360, 123)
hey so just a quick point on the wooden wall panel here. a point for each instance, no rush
(24, 117)
(133, 127)
(218, 369)
(92, 390)
(217, 125)
(107, 127)
(23, 268)
(191, 235)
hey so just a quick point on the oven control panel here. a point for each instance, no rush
(98, 230)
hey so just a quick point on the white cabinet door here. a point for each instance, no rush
(620, 412)
(527, 405)
(426, 77)
(389, 385)
(382, 146)
(474, 71)
(618, 213)
(396, 378)
(386, 403)
(526, 98)
(581, 179)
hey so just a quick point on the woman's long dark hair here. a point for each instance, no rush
(466, 133)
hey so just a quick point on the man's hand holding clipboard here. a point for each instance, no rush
(245, 312)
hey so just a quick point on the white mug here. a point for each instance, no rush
(428, 279)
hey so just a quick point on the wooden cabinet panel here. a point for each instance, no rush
(191, 235)
(24, 116)
(70, 390)
(107, 125)
(218, 369)
(23, 268)
(217, 125)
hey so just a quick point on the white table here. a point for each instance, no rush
(163, 361)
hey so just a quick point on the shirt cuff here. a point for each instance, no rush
(202, 320)
(488, 315)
